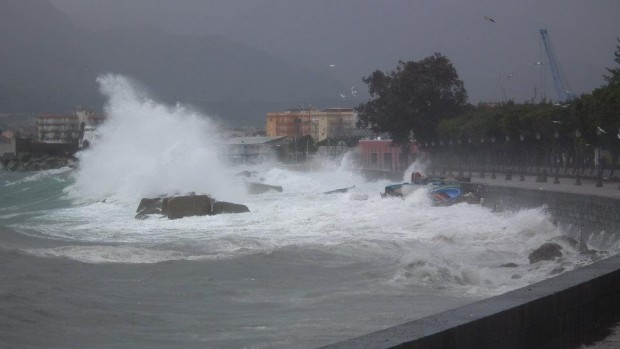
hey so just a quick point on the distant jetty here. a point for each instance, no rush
(28, 162)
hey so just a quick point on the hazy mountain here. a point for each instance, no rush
(50, 65)
(42, 66)
(349, 39)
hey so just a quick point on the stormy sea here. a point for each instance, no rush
(300, 270)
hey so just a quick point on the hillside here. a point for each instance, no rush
(49, 65)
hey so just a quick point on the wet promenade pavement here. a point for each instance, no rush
(587, 187)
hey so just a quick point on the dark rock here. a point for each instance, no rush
(181, 206)
(149, 206)
(509, 265)
(259, 188)
(185, 206)
(546, 252)
(228, 207)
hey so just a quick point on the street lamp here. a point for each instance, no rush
(597, 157)
(556, 159)
(483, 159)
(521, 176)
(443, 159)
(578, 156)
(538, 177)
(492, 157)
(458, 141)
(506, 158)
(470, 157)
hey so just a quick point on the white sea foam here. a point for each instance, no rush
(147, 149)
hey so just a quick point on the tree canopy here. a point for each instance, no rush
(412, 99)
(614, 77)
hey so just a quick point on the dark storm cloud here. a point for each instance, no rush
(496, 58)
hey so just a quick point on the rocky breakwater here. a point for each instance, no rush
(28, 162)
(181, 206)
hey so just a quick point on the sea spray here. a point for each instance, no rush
(147, 149)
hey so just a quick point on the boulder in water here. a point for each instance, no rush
(259, 188)
(546, 252)
(175, 207)
(149, 206)
(228, 207)
(185, 206)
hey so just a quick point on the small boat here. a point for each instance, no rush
(404, 189)
(446, 194)
(341, 190)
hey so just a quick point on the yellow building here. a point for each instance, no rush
(318, 124)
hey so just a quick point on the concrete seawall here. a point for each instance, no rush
(565, 311)
(577, 213)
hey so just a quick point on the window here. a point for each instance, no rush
(387, 161)
(373, 158)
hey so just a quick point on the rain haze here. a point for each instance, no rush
(488, 41)
(279, 54)
(110, 228)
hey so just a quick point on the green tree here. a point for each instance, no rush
(412, 100)
(614, 78)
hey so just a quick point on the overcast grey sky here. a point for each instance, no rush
(352, 38)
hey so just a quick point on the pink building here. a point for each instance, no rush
(383, 155)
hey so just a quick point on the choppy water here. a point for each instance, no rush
(302, 269)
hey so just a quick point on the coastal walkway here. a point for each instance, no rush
(587, 187)
(567, 185)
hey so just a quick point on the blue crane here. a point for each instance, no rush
(561, 85)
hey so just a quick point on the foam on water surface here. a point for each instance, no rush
(146, 149)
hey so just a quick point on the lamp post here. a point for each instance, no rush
(443, 159)
(538, 178)
(433, 167)
(470, 162)
(597, 158)
(483, 159)
(578, 157)
(458, 141)
(493, 157)
(521, 176)
(556, 159)
(506, 160)
(451, 150)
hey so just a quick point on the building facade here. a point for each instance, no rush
(7, 145)
(252, 150)
(67, 128)
(383, 155)
(318, 124)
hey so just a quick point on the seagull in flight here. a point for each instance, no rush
(489, 19)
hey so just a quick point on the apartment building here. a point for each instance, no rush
(65, 128)
(318, 124)
(252, 150)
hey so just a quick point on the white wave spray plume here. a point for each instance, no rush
(147, 149)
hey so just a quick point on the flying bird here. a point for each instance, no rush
(489, 19)
(600, 130)
(343, 96)
(332, 65)
(353, 91)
